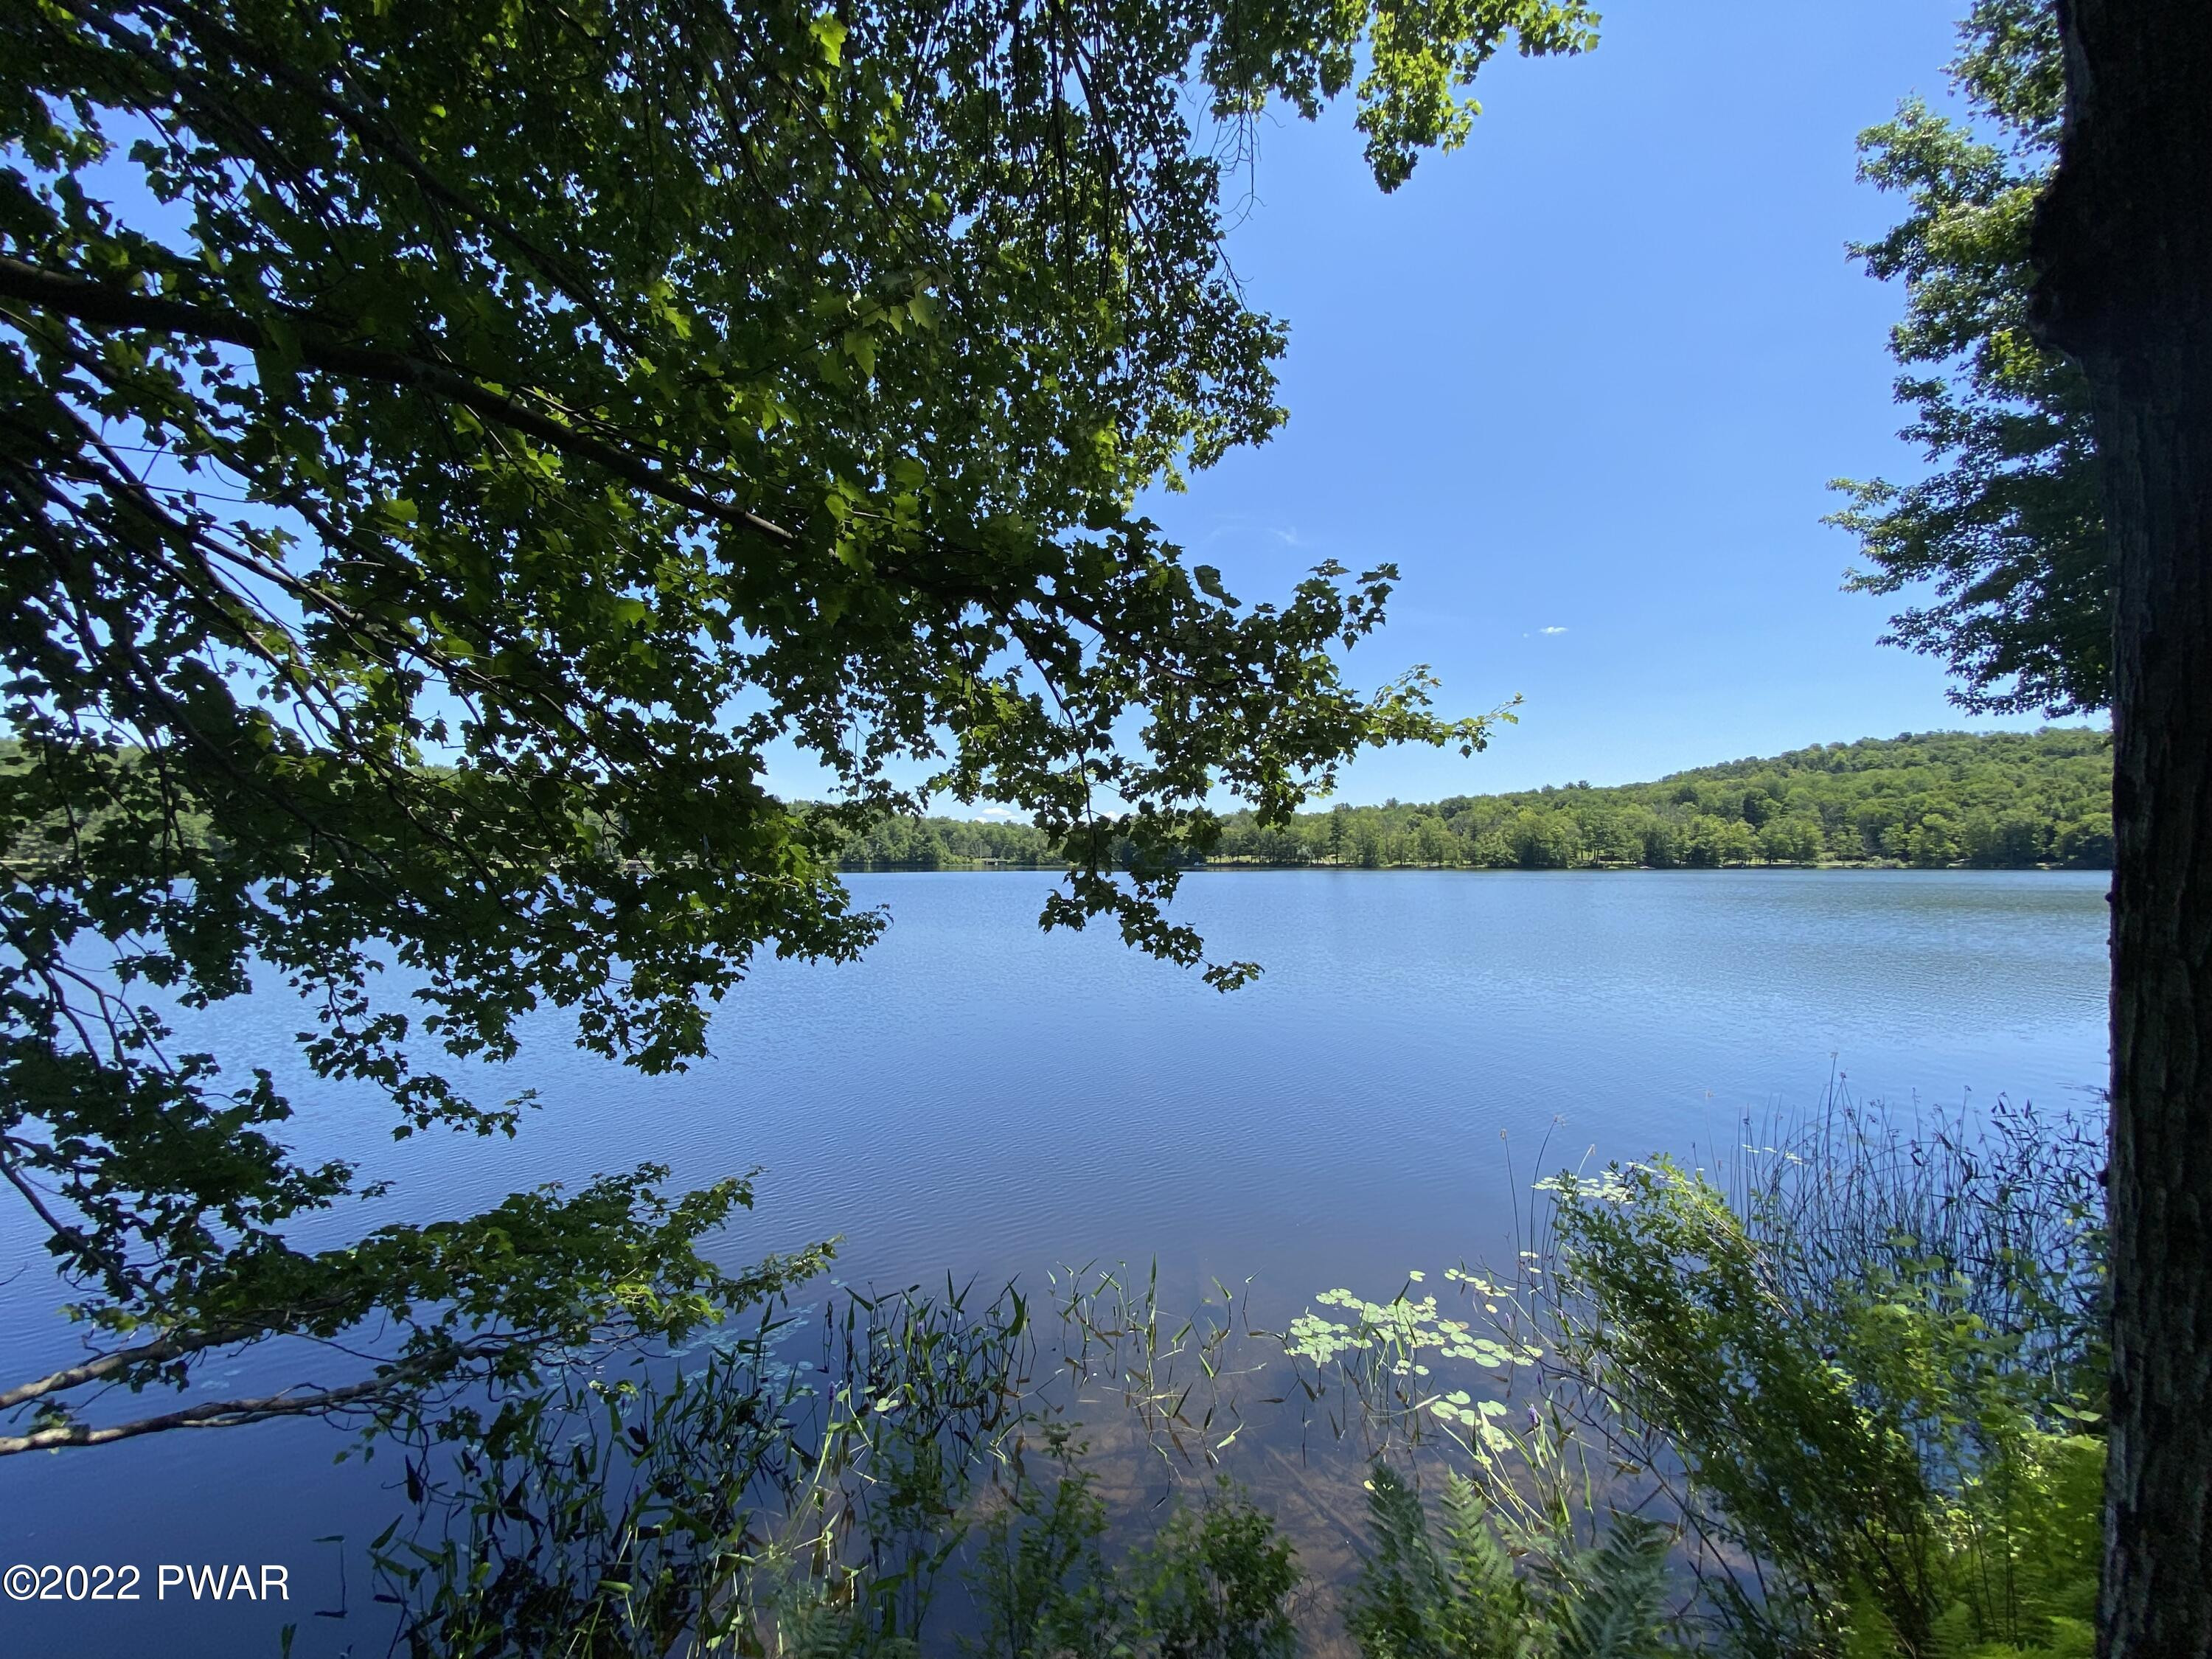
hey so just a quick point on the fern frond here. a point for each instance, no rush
(1403, 1590)
(1476, 1559)
(1614, 1605)
(1463, 1600)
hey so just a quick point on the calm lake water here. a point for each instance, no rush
(980, 1098)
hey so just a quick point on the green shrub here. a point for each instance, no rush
(1858, 1373)
(1897, 1439)
(1215, 1582)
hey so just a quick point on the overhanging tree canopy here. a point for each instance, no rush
(444, 446)
(2008, 527)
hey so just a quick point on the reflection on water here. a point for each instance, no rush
(979, 1099)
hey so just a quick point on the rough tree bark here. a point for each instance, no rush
(2123, 251)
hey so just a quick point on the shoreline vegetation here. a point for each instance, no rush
(1926, 801)
(1836, 1392)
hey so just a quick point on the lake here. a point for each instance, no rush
(979, 1099)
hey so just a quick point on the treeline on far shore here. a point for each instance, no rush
(1999, 799)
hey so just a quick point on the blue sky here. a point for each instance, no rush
(1592, 374)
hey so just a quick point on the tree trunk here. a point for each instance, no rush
(2124, 251)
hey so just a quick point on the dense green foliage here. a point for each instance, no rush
(1444, 1593)
(1857, 1376)
(1993, 799)
(1215, 1583)
(1902, 1462)
(446, 444)
(942, 843)
(2008, 524)
(1996, 799)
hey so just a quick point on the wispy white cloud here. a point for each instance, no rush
(1551, 630)
(1241, 526)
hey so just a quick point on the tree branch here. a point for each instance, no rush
(114, 306)
(102, 1366)
(231, 1414)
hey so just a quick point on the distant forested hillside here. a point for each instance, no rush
(949, 844)
(2001, 798)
